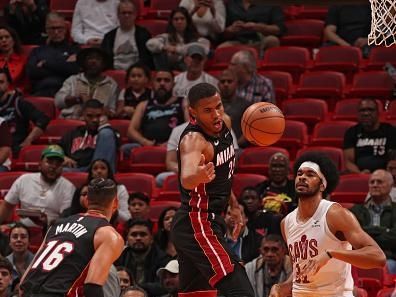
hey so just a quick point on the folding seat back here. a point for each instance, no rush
(29, 158)
(243, 180)
(57, 128)
(148, 159)
(137, 182)
(334, 153)
(351, 188)
(306, 33)
(44, 104)
(295, 136)
(330, 133)
(375, 84)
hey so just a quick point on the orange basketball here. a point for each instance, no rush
(263, 123)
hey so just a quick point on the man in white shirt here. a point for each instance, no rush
(195, 60)
(92, 19)
(44, 194)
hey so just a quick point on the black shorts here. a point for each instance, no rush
(203, 255)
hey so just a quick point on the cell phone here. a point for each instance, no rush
(32, 213)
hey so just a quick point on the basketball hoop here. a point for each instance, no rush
(383, 22)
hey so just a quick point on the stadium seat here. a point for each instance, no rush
(295, 136)
(305, 33)
(44, 104)
(155, 27)
(6, 181)
(148, 159)
(255, 159)
(118, 76)
(56, 129)
(243, 180)
(27, 48)
(379, 56)
(170, 189)
(371, 280)
(375, 84)
(334, 153)
(282, 82)
(157, 206)
(360, 292)
(312, 12)
(160, 9)
(347, 109)
(122, 127)
(137, 182)
(385, 292)
(307, 110)
(352, 188)
(63, 7)
(391, 112)
(29, 158)
(330, 133)
(78, 179)
(292, 59)
(222, 56)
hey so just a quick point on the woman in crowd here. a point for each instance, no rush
(162, 237)
(125, 276)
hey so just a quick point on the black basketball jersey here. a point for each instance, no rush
(61, 265)
(213, 196)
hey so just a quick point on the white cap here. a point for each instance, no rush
(172, 267)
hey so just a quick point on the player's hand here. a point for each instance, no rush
(206, 171)
(310, 267)
(275, 291)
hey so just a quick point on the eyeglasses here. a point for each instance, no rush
(272, 249)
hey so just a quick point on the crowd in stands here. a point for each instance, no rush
(101, 66)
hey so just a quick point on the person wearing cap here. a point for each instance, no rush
(91, 83)
(46, 191)
(195, 59)
(324, 239)
(169, 278)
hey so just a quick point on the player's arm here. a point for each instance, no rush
(193, 155)
(108, 247)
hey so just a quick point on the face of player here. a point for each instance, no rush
(125, 281)
(19, 240)
(273, 252)
(368, 114)
(137, 79)
(208, 113)
(168, 219)
(92, 118)
(138, 209)
(139, 238)
(379, 186)
(5, 280)
(51, 169)
(163, 86)
(391, 167)
(252, 200)
(278, 170)
(99, 169)
(170, 281)
(307, 183)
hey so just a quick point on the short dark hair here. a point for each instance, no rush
(92, 103)
(370, 99)
(274, 238)
(140, 222)
(101, 191)
(164, 69)
(326, 165)
(19, 225)
(134, 288)
(391, 155)
(5, 263)
(140, 196)
(139, 65)
(200, 91)
(128, 271)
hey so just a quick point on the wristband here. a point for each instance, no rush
(328, 254)
(93, 290)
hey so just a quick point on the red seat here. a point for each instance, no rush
(361, 292)
(29, 158)
(118, 76)
(347, 109)
(122, 127)
(155, 27)
(27, 48)
(307, 110)
(312, 12)
(306, 33)
(160, 9)
(282, 82)
(157, 206)
(6, 181)
(170, 189)
(376, 84)
(391, 113)
(290, 59)
(148, 159)
(255, 159)
(334, 153)
(371, 285)
(57, 128)
(78, 179)
(330, 133)
(385, 292)
(243, 180)
(63, 7)
(352, 188)
(327, 85)
(222, 56)
(137, 182)
(379, 56)
(44, 104)
(295, 136)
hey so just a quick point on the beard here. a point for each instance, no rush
(162, 95)
(139, 248)
(308, 193)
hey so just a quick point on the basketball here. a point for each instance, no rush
(263, 123)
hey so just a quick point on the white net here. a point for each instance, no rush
(383, 22)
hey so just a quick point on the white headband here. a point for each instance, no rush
(315, 167)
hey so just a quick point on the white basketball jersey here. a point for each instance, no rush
(309, 239)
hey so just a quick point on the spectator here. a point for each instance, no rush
(377, 215)
(46, 192)
(348, 25)
(5, 147)
(94, 140)
(169, 49)
(137, 89)
(169, 278)
(126, 44)
(143, 257)
(154, 119)
(77, 204)
(50, 64)
(252, 87)
(263, 222)
(134, 291)
(391, 168)
(367, 144)
(92, 83)
(273, 266)
(162, 238)
(12, 58)
(5, 277)
(246, 247)
(18, 115)
(92, 19)
(112, 287)
(27, 17)
(20, 257)
(125, 276)
(195, 60)
(208, 16)
(278, 181)
(4, 244)
(260, 25)
(139, 206)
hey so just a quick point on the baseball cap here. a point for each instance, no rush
(196, 49)
(53, 151)
(172, 267)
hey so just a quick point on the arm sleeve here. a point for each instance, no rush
(218, 22)
(123, 197)
(14, 193)
(64, 91)
(157, 43)
(77, 25)
(68, 193)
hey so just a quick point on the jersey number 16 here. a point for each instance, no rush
(53, 255)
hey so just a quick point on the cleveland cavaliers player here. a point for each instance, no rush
(78, 251)
(320, 235)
